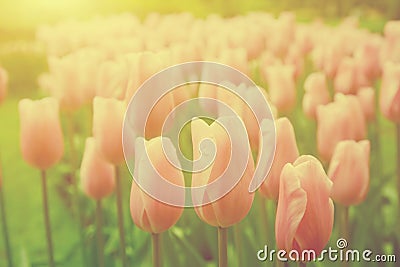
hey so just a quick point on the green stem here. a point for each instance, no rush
(120, 216)
(223, 247)
(398, 161)
(47, 220)
(75, 196)
(99, 232)
(238, 243)
(156, 242)
(5, 227)
(344, 227)
(264, 224)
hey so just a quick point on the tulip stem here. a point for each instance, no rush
(223, 247)
(344, 227)
(99, 232)
(5, 228)
(120, 216)
(238, 243)
(47, 220)
(398, 161)
(75, 195)
(264, 224)
(156, 250)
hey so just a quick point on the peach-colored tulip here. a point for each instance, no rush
(349, 172)
(316, 93)
(97, 174)
(340, 120)
(108, 116)
(234, 206)
(286, 152)
(236, 58)
(41, 136)
(390, 92)
(305, 212)
(3, 84)
(148, 213)
(281, 86)
(346, 77)
(366, 96)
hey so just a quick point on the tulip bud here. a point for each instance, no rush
(281, 86)
(340, 120)
(97, 174)
(41, 136)
(148, 213)
(108, 116)
(349, 172)
(316, 93)
(366, 96)
(390, 92)
(3, 84)
(286, 152)
(234, 206)
(305, 212)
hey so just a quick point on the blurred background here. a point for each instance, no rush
(24, 57)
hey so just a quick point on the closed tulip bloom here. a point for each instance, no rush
(390, 92)
(3, 84)
(346, 77)
(41, 136)
(148, 213)
(349, 172)
(281, 87)
(305, 211)
(108, 116)
(340, 120)
(97, 174)
(316, 93)
(234, 206)
(286, 151)
(366, 96)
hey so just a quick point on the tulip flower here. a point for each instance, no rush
(3, 84)
(305, 211)
(281, 86)
(349, 172)
(97, 174)
(316, 93)
(346, 77)
(366, 96)
(41, 136)
(42, 146)
(286, 152)
(340, 120)
(390, 92)
(148, 213)
(234, 206)
(108, 116)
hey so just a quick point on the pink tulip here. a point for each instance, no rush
(346, 77)
(97, 174)
(316, 93)
(286, 152)
(148, 213)
(390, 92)
(305, 212)
(234, 206)
(366, 96)
(236, 58)
(349, 172)
(340, 120)
(108, 116)
(41, 136)
(281, 87)
(3, 84)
